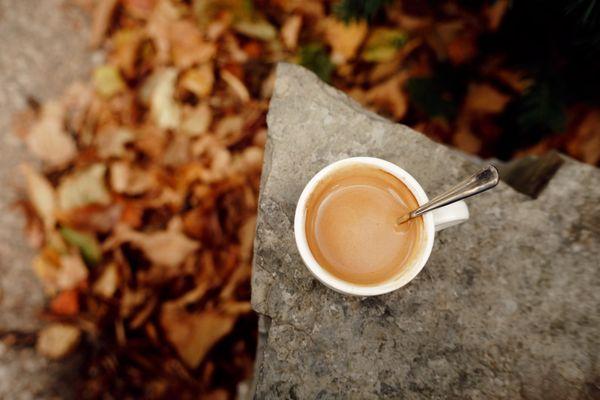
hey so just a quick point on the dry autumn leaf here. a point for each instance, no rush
(484, 98)
(83, 187)
(42, 195)
(48, 140)
(344, 38)
(193, 334)
(57, 340)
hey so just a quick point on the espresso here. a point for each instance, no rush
(351, 225)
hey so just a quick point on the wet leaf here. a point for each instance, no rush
(56, 341)
(85, 242)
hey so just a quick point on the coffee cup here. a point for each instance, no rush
(432, 222)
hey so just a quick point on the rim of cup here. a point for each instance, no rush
(408, 271)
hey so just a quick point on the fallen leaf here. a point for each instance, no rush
(199, 80)
(92, 217)
(484, 98)
(62, 273)
(383, 44)
(197, 120)
(257, 28)
(236, 85)
(516, 80)
(290, 31)
(48, 139)
(462, 49)
(41, 194)
(389, 96)
(107, 283)
(128, 179)
(166, 248)
(495, 12)
(344, 38)
(108, 81)
(101, 20)
(585, 142)
(163, 107)
(83, 187)
(86, 243)
(66, 303)
(193, 334)
(112, 140)
(187, 45)
(56, 341)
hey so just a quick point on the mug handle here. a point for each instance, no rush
(452, 214)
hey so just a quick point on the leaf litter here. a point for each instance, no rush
(144, 208)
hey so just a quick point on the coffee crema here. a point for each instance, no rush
(351, 225)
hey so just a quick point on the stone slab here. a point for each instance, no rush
(507, 307)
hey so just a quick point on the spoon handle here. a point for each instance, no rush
(479, 182)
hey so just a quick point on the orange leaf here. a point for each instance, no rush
(66, 303)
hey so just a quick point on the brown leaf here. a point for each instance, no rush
(60, 272)
(42, 196)
(196, 121)
(56, 341)
(585, 143)
(108, 281)
(131, 180)
(48, 139)
(389, 96)
(101, 20)
(66, 303)
(290, 31)
(83, 187)
(193, 334)
(495, 12)
(462, 49)
(236, 85)
(198, 80)
(93, 217)
(111, 141)
(187, 46)
(166, 248)
(484, 98)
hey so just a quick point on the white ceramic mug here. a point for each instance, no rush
(433, 221)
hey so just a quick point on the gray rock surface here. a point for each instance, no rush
(43, 47)
(508, 305)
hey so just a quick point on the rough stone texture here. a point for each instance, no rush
(43, 47)
(507, 307)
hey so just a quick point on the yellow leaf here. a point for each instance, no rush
(108, 80)
(344, 39)
(383, 44)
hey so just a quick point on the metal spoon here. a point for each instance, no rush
(479, 182)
